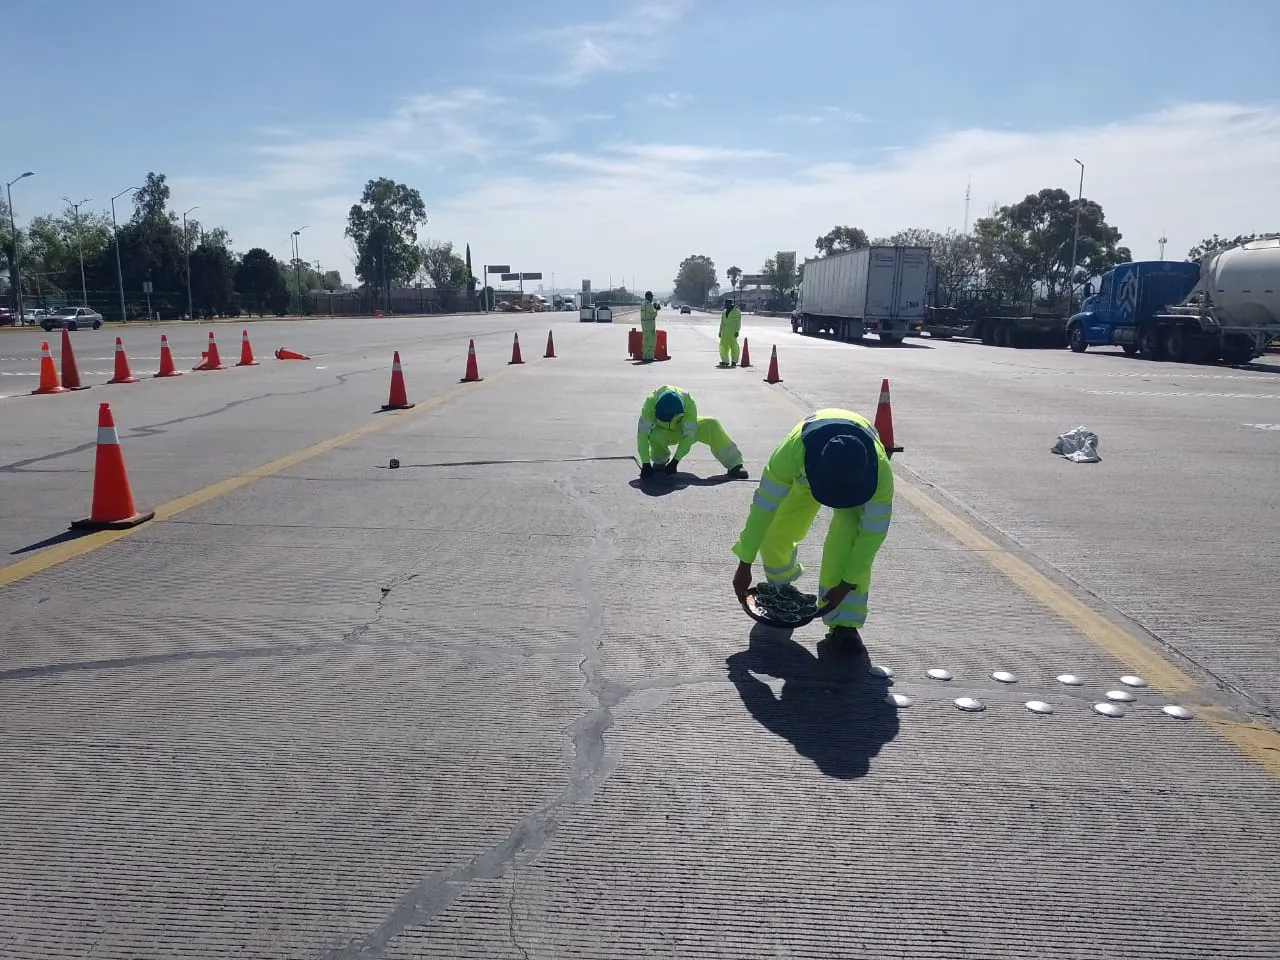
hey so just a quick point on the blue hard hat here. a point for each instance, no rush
(669, 406)
(840, 463)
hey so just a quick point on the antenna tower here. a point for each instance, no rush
(967, 185)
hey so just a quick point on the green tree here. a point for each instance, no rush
(841, 238)
(733, 273)
(471, 277)
(384, 228)
(1211, 245)
(447, 271)
(1025, 248)
(259, 282)
(780, 273)
(213, 277)
(696, 279)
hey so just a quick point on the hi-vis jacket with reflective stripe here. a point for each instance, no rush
(785, 470)
(648, 312)
(731, 323)
(686, 425)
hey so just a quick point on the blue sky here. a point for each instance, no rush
(616, 138)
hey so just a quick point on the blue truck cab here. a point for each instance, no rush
(1131, 310)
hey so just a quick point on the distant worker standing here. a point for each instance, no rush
(669, 418)
(832, 458)
(730, 327)
(648, 327)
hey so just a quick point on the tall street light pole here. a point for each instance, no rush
(1075, 242)
(297, 272)
(84, 293)
(115, 228)
(186, 243)
(17, 256)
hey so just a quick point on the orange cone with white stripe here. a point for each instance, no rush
(167, 366)
(113, 507)
(884, 420)
(246, 351)
(123, 373)
(472, 374)
(48, 372)
(551, 347)
(746, 354)
(515, 352)
(211, 360)
(399, 398)
(283, 354)
(70, 372)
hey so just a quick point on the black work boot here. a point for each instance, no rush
(738, 473)
(844, 640)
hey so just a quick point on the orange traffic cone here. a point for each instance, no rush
(515, 352)
(211, 360)
(399, 397)
(773, 368)
(551, 347)
(167, 367)
(123, 373)
(70, 372)
(246, 351)
(746, 354)
(884, 420)
(473, 371)
(283, 354)
(113, 507)
(48, 372)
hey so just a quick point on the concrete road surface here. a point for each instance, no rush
(500, 702)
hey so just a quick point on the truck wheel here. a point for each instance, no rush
(1176, 345)
(1130, 349)
(1150, 343)
(890, 338)
(1235, 355)
(1075, 339)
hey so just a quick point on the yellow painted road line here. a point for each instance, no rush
(71, 549)
(1254, 740)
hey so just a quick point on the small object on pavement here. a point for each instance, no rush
(394, 464)
(1039, 706)
(1004, 676)
(1178, 713)
(1109, 709)
(899, 700)
(970, 705)
(880, 671)
(1079, 446)
(1132, 681)
(1122, 696)
(937, 673)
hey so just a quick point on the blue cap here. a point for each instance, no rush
(669, 406)
(840, 463)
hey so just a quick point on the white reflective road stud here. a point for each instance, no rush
(1122, 696)
(970, 705)
(1109, 709)
(1070, 680)
(1039, 706)
(880, 671)
(899, 700)
(1004, 676)
(937, 673)
(1132, 681)
(1178, 713)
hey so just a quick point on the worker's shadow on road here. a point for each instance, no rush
(832, 709)
(661, 484)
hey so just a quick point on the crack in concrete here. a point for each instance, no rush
(156, 429)
(511, 912)
(591, 764)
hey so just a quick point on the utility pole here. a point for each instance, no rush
(84, 293)
(17, 254)
(297, 265)
(186, 244)
(1075, 242)
(1163, 240)
(968, 184)
(115, 229)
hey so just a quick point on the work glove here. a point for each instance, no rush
(646, 471)
(671, 467)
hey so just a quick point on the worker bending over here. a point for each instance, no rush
(730, 327)
(669, 418)
(832, 458)
(648, 327)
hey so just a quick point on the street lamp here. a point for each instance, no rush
(16, 270)
(1075, 242)
(186, 244)
(115, 229)
(84, 293)
(297, 274)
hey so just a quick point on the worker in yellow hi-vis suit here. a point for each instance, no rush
(833, 458)
(669, 418)
(730, 327)
(648, 327)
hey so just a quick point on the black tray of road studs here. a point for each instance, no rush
(772, 610)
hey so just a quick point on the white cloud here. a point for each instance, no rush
(667, 101)
(640, 208)
(625, 44)
(822, 115)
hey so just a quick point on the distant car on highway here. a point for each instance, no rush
(686, 310)
(73, 318)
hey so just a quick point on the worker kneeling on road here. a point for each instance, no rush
(833, 458)
(648, 327)
(730, 327)
(670, 418)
